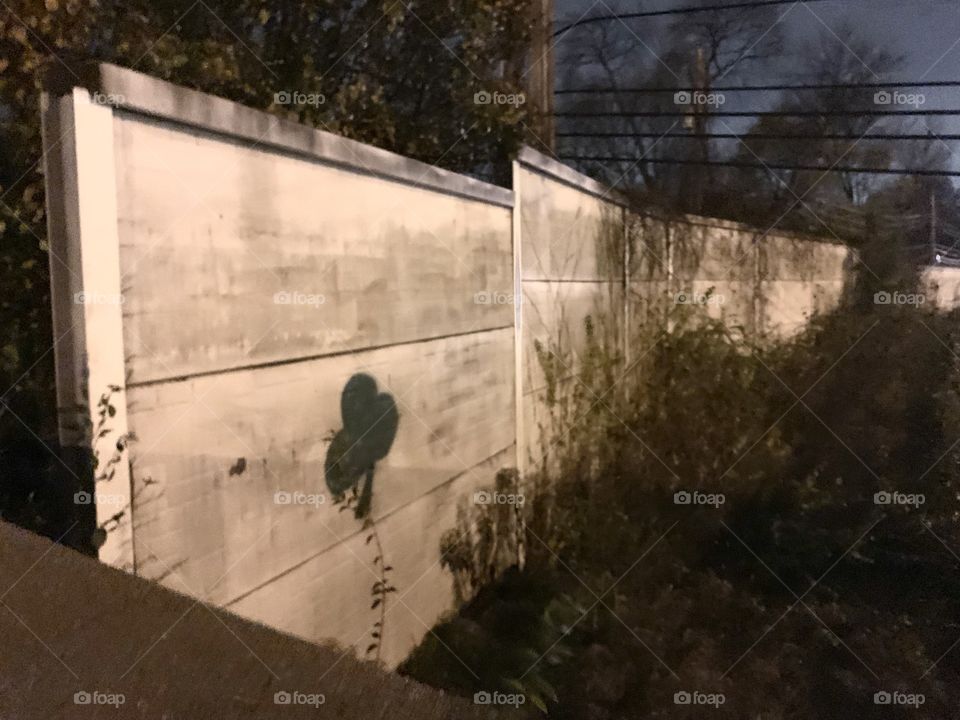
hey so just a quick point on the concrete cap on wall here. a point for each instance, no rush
(545, 165)
(134, 92)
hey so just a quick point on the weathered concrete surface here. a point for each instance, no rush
(69, 624)
(222, 525)
(301, 601)
(222, 233)
(262, 266)
(943, 286)
(583, 254)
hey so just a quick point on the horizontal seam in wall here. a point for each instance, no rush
(572, 280)
(309, 358)
(347, 538)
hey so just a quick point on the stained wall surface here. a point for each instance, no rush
(260, 266)
(221, 277)
(585, 257)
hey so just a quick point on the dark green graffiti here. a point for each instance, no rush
(370, 421)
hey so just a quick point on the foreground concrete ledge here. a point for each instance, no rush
(135, 92)
(70, 625)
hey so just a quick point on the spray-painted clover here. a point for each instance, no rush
(370, 421)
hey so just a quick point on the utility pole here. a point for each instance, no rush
(697, 121)
(540, 72)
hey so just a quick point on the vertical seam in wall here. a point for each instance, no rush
(516, 237)
(626, 289)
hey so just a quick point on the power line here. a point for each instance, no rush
(676, 11)
(761, 166)
(764, 88)
(757, 136)
(762, 113)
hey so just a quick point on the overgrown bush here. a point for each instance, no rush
(794, 591)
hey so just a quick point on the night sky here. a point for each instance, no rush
(925, 32)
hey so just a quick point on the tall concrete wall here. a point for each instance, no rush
(584, 253)
(256, 266)
(221, 277)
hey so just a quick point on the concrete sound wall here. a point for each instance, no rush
(234, 295)
(584, 253)
(236, 272)
(571, 264)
